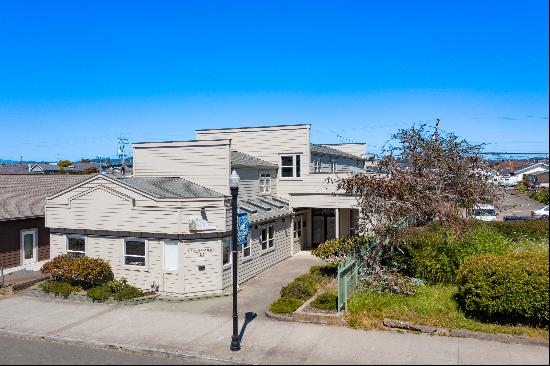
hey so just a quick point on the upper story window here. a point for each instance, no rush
(75, 245)
(265, 183)
(317, 166)
(290, 166)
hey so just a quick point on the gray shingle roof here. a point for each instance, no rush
(169, 187)
(319, 149)
(25, 195)
(264, 209)
(240, 160)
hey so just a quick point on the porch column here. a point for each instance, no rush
(337, 222)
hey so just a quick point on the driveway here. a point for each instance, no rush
(255, 295)
(517, 204)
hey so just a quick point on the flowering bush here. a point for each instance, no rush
(79, 271)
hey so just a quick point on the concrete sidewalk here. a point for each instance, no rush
(264, 341)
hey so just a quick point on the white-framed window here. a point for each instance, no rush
(171, 255)
(75, 245)
(298, 227)
(226, 250)
(265, 183)
(266, 237)
(135, 252)
(290, 166)
(247, 248)
(333, 166)
(317, 165)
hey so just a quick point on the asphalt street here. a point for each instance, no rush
(18, 351)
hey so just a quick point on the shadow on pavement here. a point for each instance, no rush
(248, 317)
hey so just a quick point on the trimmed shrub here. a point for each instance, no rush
(63, 289)
(335, 250)
(540, 195)
(521, 229)
(329, 271)
(99, 293)
(302, 290)
(326, 301)
(79, 271)
(509, 289)
(285, 305)
(119, 290)
(434, 254)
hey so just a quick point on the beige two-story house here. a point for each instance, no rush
(168, 226)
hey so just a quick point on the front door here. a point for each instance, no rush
(29, 249)
(324, 225)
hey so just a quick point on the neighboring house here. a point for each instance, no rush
(538, 180)
(24, 239)
(531, 169)
(44, 168)
(13, 169)
(168, 227)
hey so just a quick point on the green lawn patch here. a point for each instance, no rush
(432, 306)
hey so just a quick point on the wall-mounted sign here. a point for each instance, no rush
(242, 228)
(200, 252)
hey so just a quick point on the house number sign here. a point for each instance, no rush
(201, 252)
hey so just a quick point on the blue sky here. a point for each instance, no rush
(74, 75)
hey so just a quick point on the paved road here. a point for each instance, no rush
(517, 204)
(16, 351)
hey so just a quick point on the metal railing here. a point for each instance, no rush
(348, 273)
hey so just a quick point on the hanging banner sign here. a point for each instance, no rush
(242, 228)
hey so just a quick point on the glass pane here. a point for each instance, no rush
(134, 261)
(247, 252)
(297, 165)
(271, 232)
(75, 244)
(287, 172)
(28, 246)
(134, 247)
(226, 250)
(287, 161)
(171, 254)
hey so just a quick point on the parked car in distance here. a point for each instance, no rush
(484, 212)
(543, 212)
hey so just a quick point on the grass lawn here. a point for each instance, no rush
(432, 305)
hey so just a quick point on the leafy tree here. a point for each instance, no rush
(425, 177)
(64, 163)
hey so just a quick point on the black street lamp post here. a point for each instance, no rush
(234, 186)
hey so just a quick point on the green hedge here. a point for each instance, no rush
(59, 288)
(285, 305)
(303, 287)
(119, 290)
(509, 289)
(434, 254)
(540, 195)
(326, 301)
(83, 271)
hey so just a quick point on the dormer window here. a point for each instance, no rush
(317, 166)
(265, 183)
(290, 166)
(333, 166)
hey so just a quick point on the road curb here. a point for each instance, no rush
(153, 351)
(464, 333)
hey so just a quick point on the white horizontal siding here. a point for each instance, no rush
(204, 163)
(260, 260)
(107, 210)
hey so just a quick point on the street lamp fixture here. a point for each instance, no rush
(234, 181)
